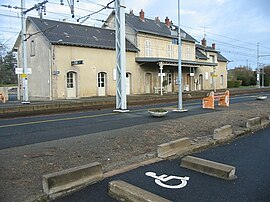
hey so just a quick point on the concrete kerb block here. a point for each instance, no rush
(209, 167)
(53, 106)
(223, 132)
(254, 122)
(26, 108)
(11, 110)
(123, 191)
(40, 107)
(63, 181)
(174, 147)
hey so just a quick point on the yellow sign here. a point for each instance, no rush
(214, 75)
(24, 76)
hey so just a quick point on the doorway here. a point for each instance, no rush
(71, 85)
(101, 84)
(200, 83)
(169, 82)
(128, 78)
(148, 81)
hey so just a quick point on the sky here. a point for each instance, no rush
(236, 26)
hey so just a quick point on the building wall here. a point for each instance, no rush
(188, 51)
(222, 75)
(163, 47)
(39, 61)
(94, 62)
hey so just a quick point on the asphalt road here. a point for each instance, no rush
(29, 130)
(250, 155)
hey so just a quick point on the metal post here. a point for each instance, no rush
(180, 101)
(214, 79)
(262, 76)
(24, 55)
(121, 103)
(161, 77)
(258, 68)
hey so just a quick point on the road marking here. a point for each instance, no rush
(67, 119)
(56, 120)
(164, 178)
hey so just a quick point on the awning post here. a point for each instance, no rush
(161, 77)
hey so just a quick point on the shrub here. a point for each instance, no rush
(230, 84)
(237, 83)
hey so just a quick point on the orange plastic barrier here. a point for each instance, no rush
(3, 97)
(209, 102)
(223, 100)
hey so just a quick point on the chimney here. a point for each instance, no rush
(213, 45)
(142, 15)
(167, 22)
(157, 19)
(203, 42)
(131, 12)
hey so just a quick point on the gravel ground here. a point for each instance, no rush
(21, 168)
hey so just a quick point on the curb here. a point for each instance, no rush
(254, 122)
(173, 147)
(223, 132)
(123, 191)
(208, 167)
(55, 184)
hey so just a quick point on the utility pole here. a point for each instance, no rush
(40, 7)
(121, 100)
(180, 99)
(258, 68)
(24, 55)
(262, 71)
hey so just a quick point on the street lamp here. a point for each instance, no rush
(180, 101)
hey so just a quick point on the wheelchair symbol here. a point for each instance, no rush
(164, 178)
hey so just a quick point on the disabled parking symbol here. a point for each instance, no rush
(162, 179)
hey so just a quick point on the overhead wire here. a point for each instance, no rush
(86, 17)
(244, 50)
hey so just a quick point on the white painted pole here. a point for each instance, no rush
(180, 99)
(121, 100)
(161, 78)
(258, 68)
(24, 54)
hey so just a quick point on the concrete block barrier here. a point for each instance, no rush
(71, 178)
(208, 167)
(11, 110)
(27, 108)
(124, 191)
(223, 132)
(40, 107)
(254, 122)
(173, 147)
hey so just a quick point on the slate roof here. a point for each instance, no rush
(65, 33)
(201, 55)
(221, 58)
(156, 28)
